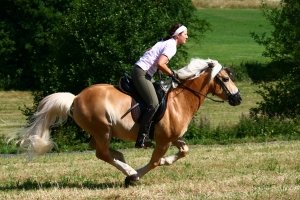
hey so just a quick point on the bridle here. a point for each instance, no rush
(218, 81)
(199, 93)
(223, 86)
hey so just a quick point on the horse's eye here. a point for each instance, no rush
(225, 79)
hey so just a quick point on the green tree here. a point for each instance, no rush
(100, 40)
(282, 46)
(26, 29)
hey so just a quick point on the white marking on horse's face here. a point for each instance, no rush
(229, 84)
(232, 87)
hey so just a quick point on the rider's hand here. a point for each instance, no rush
(174, 77)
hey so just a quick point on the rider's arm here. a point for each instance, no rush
(162, 65)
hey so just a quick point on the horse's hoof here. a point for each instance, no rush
(131, 180)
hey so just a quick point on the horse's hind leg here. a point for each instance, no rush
(117, 161)
(117, 155)
(111, 156)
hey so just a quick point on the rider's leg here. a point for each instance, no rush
(143, 139)
(146, 90)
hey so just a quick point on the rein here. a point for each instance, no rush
(199, 93)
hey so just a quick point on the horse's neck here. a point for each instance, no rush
(188, 100)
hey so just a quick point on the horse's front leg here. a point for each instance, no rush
(182, 152)
(155, 161)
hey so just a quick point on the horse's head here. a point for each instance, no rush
(201, 72)
(224, 87)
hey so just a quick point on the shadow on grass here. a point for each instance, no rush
(35, 185)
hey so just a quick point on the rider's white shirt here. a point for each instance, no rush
(148, 61)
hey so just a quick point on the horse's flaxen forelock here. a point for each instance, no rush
(216, 69)
(196, 66)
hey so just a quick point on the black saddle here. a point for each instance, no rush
(162, 87)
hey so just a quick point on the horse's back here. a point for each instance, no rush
(99, 104)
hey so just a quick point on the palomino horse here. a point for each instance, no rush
(98, 110)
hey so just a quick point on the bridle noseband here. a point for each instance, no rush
(222, 84)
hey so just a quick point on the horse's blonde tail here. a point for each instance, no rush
(52, 111)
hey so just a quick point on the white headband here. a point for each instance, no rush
(179, 30)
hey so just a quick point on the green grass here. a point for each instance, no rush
(233, 3)
(230, 42)
(245, 171)
(11, 117)
(218, 114)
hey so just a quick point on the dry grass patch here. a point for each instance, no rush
(246, 171)
(233, 3)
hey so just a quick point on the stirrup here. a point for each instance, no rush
(143, 141)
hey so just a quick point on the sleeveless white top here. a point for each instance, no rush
(148, 61)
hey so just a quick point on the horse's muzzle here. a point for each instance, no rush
(234, 99)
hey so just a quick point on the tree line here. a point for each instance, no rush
(282, 97)
(67, 45)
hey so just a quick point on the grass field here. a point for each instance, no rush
(246, 171)
(233, 3)
(222, 114)
(230, 42)
(11, 117)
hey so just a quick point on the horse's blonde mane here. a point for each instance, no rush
(196, 66)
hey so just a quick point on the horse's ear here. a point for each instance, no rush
(230, 73)
(210, 65)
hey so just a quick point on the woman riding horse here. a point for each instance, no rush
(98, 110)
(157, 57)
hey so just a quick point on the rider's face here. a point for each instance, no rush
(182, 37)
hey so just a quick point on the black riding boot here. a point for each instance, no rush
(143, 140)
